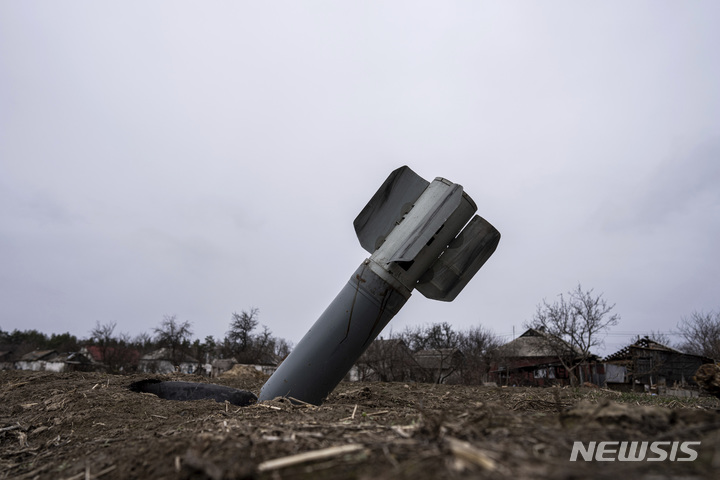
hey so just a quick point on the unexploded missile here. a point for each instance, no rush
(421, 236)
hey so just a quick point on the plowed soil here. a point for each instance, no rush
(89, 425)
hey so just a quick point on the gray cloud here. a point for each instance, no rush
(198, 160)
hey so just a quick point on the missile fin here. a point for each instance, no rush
(386, 208)
(460, 261)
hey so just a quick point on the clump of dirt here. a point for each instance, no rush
(708, 377)
(642, 418)
(90, 425)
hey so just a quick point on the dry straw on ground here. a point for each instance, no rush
(89, 425)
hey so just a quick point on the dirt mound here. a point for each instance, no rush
(244, 371)
(90, 425)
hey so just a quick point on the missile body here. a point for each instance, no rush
(414, 231)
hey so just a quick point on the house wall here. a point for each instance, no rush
(592, 372)
(652, 367)
(41, 366)
(544, 371)
(615, 373)
(528, 371)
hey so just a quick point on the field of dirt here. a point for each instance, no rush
(89, 425)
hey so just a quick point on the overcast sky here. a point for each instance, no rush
(200, 158)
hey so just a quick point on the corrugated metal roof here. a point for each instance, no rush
(39, 355)
(644, 343)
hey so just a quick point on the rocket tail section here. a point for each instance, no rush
(460, 261)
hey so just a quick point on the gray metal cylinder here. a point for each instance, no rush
(337, 339)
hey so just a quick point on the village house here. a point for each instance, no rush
(531, 360)
(78, 362)
(113, 358)
(392, 361)
(161, 361)
(384, 361)
(266, 365)
(41, 360)
(439, 365)
(52, 361)
(648, 365)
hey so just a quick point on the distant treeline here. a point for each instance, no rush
(119, 351)
(31, 340)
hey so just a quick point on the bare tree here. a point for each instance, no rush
(175, 336)
(210, 346)
(573, 325)
(143, 342)
(103, 339)
(239, 339)
(240, 335)
(701, 334)
(264, 342)
(657, 337)
(115, 351)
(504, 357)
(431, 353)
(247, 347)
(282, 348)
(430, 337)
(436, 349)
(480, 347)
(387, 360)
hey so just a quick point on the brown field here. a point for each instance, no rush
(89, 425)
